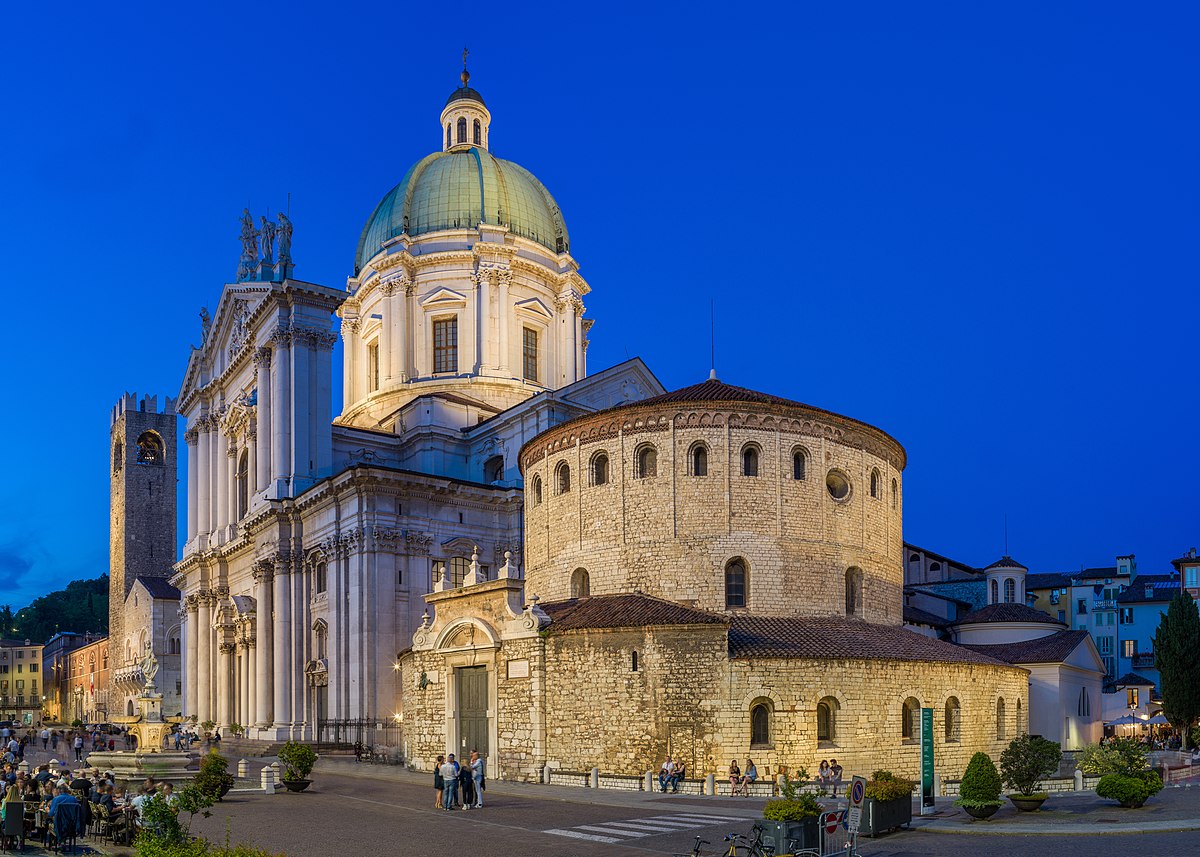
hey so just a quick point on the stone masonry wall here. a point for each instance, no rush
(671, 534)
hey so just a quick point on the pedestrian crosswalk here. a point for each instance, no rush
(634, 828)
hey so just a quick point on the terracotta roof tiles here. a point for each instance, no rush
(1005, 612)
(1051, 649)
(631, 610)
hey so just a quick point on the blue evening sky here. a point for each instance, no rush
(975, 228)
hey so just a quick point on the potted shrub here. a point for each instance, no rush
(888, 803)
(1027, 761)
(214, 779)
(979, 793)
(297, 761)
(1130, 790)
(793, 816)
(1126, 775)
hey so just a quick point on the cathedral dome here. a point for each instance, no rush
(459, 190)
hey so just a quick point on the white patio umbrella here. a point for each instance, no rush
(1124, 720)
(1158, 720)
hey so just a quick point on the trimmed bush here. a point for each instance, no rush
(1118, 756)
(797, 809)
(297, 760)
(1130, 790)
(214, 779)
(884, 785)
(980, 784)
(1028, 760)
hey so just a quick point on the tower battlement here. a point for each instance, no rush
(129, 403)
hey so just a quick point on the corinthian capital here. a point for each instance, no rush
(262, 358)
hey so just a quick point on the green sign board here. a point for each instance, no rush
(927, 806)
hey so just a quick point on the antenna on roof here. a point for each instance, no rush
(712, 338)
(1006, 533)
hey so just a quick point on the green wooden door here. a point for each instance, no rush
(472, 710)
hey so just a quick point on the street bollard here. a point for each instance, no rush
(594, 778)
(267, 780)
(23, 767)
(547, 772)
(1078, 780)
(648, 781)
(243, 769)
(710, 785)
(937, 785)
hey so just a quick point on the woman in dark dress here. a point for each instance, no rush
(438, 782)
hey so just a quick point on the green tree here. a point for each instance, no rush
(1177, 656)
(81, 607)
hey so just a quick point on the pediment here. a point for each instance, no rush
(534, 306)
(444, 297)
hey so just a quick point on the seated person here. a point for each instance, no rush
(750, 777)
(735, 777)
(677, 777)
(43, 774)
(665, 773)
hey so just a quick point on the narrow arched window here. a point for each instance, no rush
(700, 460)
(910, 719)
(562, 477)
(1010, 590)
(633, 661)
(953, 720)
(854, 585)
(581, 586)
(462, 129)
(319, 575)
(1020, 719)
(735, 583)
(750, 461)
(760, 725)
(599, 469)
(478, 134)
(151, 449)
(449, 142)
(537, 490)
(799, 464)
(895, 494)
(875, 484)
(493, 469)
(647, 462)
(243, 484)
(1000, 719)
(827, 720)
(995, 593)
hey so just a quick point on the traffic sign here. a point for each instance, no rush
(858, 792)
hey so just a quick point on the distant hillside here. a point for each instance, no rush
(81, 607)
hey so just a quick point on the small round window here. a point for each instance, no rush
(838, 485)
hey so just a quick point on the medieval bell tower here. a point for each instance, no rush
(142, 503)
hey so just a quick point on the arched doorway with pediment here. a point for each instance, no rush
(469, 649)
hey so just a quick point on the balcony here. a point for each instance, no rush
(1104, 604)
(1143, 660)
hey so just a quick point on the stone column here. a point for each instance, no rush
(221, 465)
(226, 689)
(251, 466)
(281, 426)
(264, 686)
(191, 438)
(387, 341)
(350, 371)
(320, 409)
(202, 707)
(243, 716)
(487, 344)
(203, 476)
(282, 592)
(504, 320)
(231, 478)
(398, 318)
(188, 667)
(262, 431)
(251, 682)
(576, 339)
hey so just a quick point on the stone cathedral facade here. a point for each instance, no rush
(497, 550)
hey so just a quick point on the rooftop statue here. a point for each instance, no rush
(205, 325)
(284, 231)
(249, 238)
(268, 239)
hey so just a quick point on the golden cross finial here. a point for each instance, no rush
(466, 75)
(465, 52)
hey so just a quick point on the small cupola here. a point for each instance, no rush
(1006, 581)
(465, 119)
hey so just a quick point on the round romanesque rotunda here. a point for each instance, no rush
(463, 284)
(721, 498)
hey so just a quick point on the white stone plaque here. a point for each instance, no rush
(518, 669)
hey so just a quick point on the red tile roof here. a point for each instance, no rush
(833, 638)
(1051, 649)
(1008, 613)
(631, 610)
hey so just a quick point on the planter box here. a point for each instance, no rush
(807, 834)
(880, 816)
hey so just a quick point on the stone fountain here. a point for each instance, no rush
(150, 728)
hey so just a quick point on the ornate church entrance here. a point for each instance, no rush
(472, 710)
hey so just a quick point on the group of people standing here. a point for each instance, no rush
(459, 786)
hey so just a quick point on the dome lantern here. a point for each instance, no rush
(465, 118)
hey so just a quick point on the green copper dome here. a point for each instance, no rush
(460, 190)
